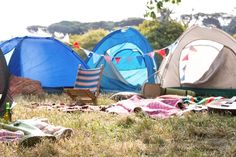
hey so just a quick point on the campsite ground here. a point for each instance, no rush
(104, 134)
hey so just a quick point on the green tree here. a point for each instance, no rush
(157, 8)
(88, 40)
(161, 34)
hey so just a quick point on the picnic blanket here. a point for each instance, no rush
(31, 131)
(69, 108)
(10, 136)
(163, 106)
(160, 107)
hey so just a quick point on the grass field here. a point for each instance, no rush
(103, 134)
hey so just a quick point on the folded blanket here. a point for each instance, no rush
(31, 131)
(156, 108)
(43, 126)
(10, 136)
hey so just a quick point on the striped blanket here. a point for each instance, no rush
(155, 108)
(21, 130)
(10, 136)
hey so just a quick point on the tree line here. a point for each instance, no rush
(75, 27)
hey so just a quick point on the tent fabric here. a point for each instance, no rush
(44, 59)
(112, 80)
(4, 82)
(126, 65)
(220, 73)
(189, 68)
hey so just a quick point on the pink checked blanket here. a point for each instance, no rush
(161, 107)
(10, 136)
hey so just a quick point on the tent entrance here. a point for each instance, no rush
(130, 63)
(196, 59)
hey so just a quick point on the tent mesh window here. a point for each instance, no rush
(196, 58)
(130, 63)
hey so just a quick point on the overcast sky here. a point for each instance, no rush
(18, 14)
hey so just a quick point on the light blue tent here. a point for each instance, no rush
(130, 64)
(47, 60)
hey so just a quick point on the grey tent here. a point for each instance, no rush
(202, 59)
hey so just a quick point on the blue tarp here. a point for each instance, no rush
(129, 66)
(47, 60)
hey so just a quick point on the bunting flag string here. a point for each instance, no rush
(76, 45)
(117, 60)
(87, 52)
(192, 48)
(184, 68)
(108, 58)
(161, 52)
(185, 58)
(182, 78)
(151, 55)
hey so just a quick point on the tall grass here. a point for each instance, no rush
(104, 134)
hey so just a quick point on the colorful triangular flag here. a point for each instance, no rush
(140, 59)
(161, 52)
(185, 58)
(65, 39)
(117, 59)
(182, 78)
(87, 52)
(151, 54)
(184, 68)
(76, 45)
(192, 48)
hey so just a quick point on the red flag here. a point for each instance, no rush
(117, 60)
(192, 48)
(161, 52)
(185, 58)
(76, 45)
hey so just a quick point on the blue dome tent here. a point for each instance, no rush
(45, 59)
(130, 64)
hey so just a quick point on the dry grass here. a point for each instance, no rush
(103, 134)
